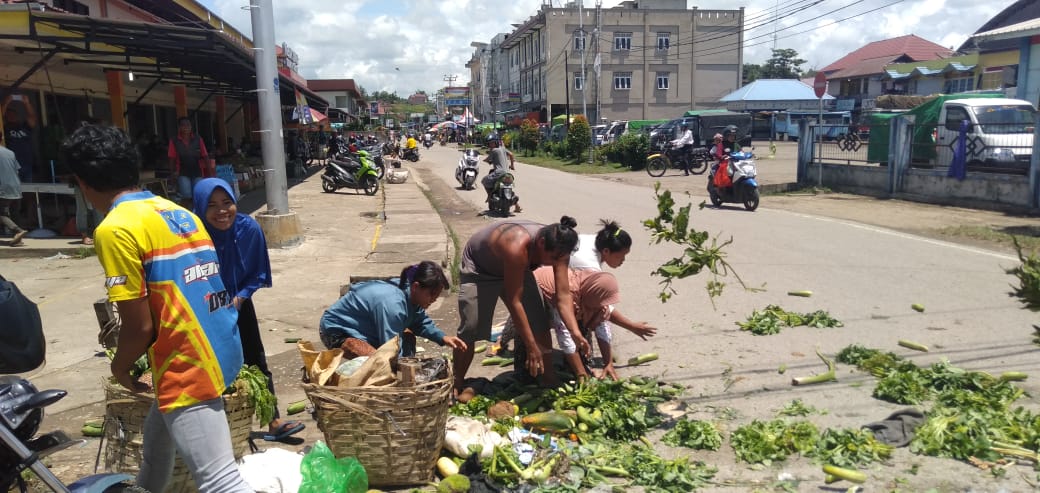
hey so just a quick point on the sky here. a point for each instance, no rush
(407, 45)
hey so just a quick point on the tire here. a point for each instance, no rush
(713, 194)
(380, 171)
(751, 199)
(327, 186)
(370, 184)
(656, 167)
(699, 166)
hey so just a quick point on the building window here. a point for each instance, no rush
(664, 40)
(72, 7)
(662, 80)
(959, 85)
(579, 42)
(579, 82)
(341, 101)
(623, 80)
(622, 41)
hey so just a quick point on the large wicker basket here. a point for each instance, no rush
(395, 432)
(125, 413)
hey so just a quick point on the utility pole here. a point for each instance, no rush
(280, 225)
(584, 78)
(450, 79)
(596, 65)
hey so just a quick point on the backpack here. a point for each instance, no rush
(22, 346)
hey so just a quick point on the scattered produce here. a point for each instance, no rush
(913, 345)
(643, 358)
(549, 421)
(917, 307)
(803, 294)
(497, 360)
(1013, 376)
(501, 409)
(840, 473)
(476, 407)
(767, 441)
(91, 429)
(254, 383)
(797, 408)
(1028, 274)
(446, 467)
(480, 348)
(823, 377)
(773, 319)
(296, 407)
(699, 435)
(455, 483)
(848, 447)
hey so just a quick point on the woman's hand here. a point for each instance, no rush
(581, 344)
(238, 302)
(643, 330)
(608, 372)
(535, 356)
(130, 383)
(455, 343)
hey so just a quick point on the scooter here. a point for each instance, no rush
(738, 185)
(411, 154)
(348, 172)
(427, 143)
(468, 168)
(502, 195)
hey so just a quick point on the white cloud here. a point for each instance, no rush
(368, 40)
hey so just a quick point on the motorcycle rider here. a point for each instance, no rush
(498, 156)
(684, 146)
(718, 149)
(731, 143)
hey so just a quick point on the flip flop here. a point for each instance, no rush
(287, 429)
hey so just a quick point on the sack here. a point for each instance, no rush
(324, 473)
(320, 366)
(378, 370)
(22, 346)
(722, 179)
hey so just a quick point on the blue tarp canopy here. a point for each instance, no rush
(774, 95)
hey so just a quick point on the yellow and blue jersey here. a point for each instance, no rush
(152, 248)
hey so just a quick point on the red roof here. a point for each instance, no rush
(865, 58)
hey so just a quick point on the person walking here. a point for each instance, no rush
(162, 272)
(10, 190)
(244, 267)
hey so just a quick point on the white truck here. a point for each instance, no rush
(998, 133)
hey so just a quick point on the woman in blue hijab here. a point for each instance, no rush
(244, 268)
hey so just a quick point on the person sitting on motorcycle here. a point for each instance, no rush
(731, 144)
(684, 145)
(498, 156)
(411, 143)
(718, 148)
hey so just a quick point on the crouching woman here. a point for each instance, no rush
(374, 312)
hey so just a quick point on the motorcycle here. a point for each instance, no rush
(357, 173)
(427, 143)
(658, 163)
(375, 153)
(502, 196)
(740, 172)
(411, 154)
(468, 168)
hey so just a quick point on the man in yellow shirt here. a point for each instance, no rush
(411, 143)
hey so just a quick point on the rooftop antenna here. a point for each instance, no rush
(776, 20)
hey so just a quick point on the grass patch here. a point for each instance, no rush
(576, 166)
(456, 259)
(84, 252)
(801, 191)
(1028, 236)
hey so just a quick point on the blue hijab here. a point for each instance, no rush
(242, 249)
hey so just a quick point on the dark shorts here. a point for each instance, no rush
(478, 296)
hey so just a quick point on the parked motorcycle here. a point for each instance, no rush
(375, 153)
(738, 185)
(358, 174)
(502, 195)
(468, 169)
(658, 163)
(411, 154)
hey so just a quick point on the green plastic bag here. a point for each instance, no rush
(324, 473)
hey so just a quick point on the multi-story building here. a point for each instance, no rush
(344, 96)
(639, 60)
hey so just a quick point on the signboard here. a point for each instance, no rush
(819, 84)
(389, 124)
(458, 102)
(373, 108)
(845, 104)
(456, 91)
(416, 115)
(289, 58)
(868, 104)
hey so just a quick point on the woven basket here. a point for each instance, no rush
(125, 413)
(395, 432)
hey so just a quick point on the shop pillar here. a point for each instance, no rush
(115, 98)
(221, 104)
(180, 100)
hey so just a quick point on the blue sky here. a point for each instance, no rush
(405, 45)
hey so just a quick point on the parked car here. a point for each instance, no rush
(600, 131)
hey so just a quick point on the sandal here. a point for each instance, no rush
(287, 429)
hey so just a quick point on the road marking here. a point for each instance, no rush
(899, 234)
(375, 237)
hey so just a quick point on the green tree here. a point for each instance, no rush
(529, 135)
(752, 72)
(784, 64)
(579, 137)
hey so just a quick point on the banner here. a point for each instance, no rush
(302, 110)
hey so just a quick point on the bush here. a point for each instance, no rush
(529, 135)
(629, 150)
(579, 137)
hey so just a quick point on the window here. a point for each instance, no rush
(341, 101)
(579, 82)
(72, 7)
(622, 80)
(662, 80)
(622, 41)
(959, 85)
(664, 40)
(579, 42)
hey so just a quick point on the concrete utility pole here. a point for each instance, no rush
(280, 225)
(584, 79)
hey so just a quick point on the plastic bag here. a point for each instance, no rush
(324, 473)
(348, 367)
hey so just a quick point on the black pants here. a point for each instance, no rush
(684, 157)
(252, 346)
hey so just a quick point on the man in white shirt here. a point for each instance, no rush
(684, 145)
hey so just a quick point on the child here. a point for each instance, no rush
(244, 267)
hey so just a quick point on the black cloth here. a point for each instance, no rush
(19, 139)
(252, 345)
(897, 429)
(189, 153)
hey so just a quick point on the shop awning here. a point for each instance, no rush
(202, 59)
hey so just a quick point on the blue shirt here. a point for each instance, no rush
(377, 311)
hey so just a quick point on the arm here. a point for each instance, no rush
(512, 162)
(30, 113)
(515, 264)
(427, 329)
(120, 258)
(641, 329)
(565, 303)
(135, 336)
(175, 163)
(258, 272)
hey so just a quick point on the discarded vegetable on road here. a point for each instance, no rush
(803, 294)
(296, 407)
(841, 473)
(913, 345)
(829, 376)
(695, 434)
(643, 358)
(917, 307)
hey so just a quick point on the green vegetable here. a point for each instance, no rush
(643, 358)
(796, 408)
(292, 340)
(456, 483)
(92, 431)
(480, 348)
(1013, 376)
(803, 294)
(849, 447)
(773, 319)
(913, 345)
(782, 369)
(496, 360)
(917, 307)
(699, 435)
(296, 407)
(1028, 275)
(474, 408)
(254, 383)
(824, 377)
(767, 441)
(849, 475)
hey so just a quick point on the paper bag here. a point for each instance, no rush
(320, 365)
(379, 370)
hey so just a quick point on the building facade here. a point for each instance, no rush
(342, 94)
(639, 60)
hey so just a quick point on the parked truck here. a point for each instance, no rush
(997, 132)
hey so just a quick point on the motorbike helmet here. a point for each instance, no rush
(730, 129)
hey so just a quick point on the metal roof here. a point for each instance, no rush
(774, 90)
(1020, 30)
(914, 47)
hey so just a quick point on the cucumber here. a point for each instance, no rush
(296, 407)
(96, 423)
(1013, 376)
(446, 467)
(643, 358)
(850, 475)
(917, 307)
(913, 345)
(803, 294)
(480, 348)
(92, 431)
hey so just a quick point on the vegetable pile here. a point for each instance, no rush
(773, 318)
